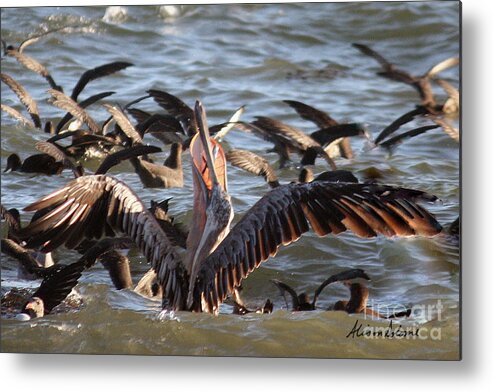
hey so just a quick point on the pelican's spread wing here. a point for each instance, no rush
(223, 129)
(24, 97)
(287, 212)
(93, 206)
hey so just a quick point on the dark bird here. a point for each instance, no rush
(168, 175)
(218, 258)
(302, 301)
(29, 62)
(177, 108)
(358, 302)
(13, 219)
(286, 139)
(59, 279)
(421, 83)
(329, 129)
(37, 163)
(96, 73)
(384, 140)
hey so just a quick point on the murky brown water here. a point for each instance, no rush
(234, 55)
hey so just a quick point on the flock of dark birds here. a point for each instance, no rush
(198, 268)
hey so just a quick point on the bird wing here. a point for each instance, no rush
(287, 134)
(442, 66)
(451, 91)
(341, 276)
(21, 254)
(448, 129)
(18, 116)
(223, 129)
(286, 212)
(321, 119)
(124, 123)
(56, 286)
(283, 287)
(95, 73)
(127, 153)
(62, 101)
(252, 163)
(24, 97)
(34, 38)
(53, 151)
(370, 52)
(97, 205)
(396, 124)
(328, 135)
(176, 107)
(389, 143)
(83, 104)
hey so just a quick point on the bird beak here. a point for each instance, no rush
(208, 157)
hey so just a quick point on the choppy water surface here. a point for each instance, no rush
(228, 56)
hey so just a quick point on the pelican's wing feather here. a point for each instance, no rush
(286, 212)
(93, 206)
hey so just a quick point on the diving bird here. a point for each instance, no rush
(421, 83)
(218, 257)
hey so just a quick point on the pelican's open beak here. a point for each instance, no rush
(208, 157)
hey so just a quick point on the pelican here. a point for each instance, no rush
(219, 257)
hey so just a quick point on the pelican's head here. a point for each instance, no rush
(212, 210)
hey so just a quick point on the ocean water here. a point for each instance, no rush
(253, 55)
